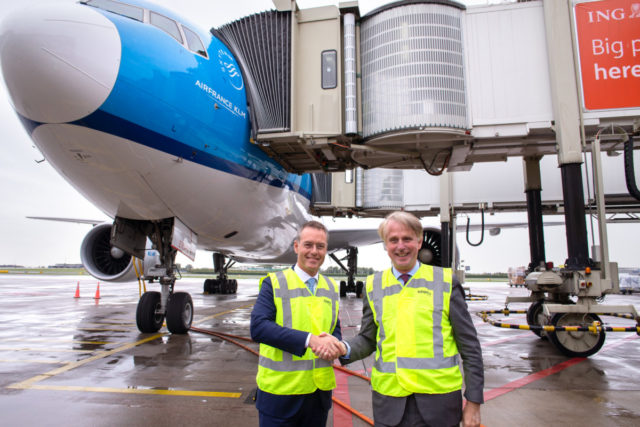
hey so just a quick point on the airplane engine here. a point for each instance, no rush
(103, 261)
(431, 249)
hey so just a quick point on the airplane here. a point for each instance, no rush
(147, 116)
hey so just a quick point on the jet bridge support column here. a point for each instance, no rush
(574, 215)
(533, 189)
(566, 109)
(445, 220)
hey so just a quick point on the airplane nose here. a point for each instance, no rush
(59, 62)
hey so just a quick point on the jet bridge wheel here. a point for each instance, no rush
(535, 317)
(576, 343)
(179, 313)
(149, 316)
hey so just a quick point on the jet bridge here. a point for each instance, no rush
(429, 85)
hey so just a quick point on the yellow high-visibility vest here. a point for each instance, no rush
(416, 351)
(280, 372)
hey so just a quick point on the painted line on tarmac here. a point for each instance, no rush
(514, 385)
(234, 395)
(340, 417)
(31, 381)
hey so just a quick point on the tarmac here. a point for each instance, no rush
(67, 361)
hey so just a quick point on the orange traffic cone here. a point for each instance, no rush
(97, 292)
(77, 295)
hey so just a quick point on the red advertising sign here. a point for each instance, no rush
(609, 46)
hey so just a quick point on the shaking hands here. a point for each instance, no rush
(327, 346)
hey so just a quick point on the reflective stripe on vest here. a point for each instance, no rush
(439, 289)
(297, 382)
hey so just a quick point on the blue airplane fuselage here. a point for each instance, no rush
(146, 127)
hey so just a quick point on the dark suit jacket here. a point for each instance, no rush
(265, 330)
(388, 409)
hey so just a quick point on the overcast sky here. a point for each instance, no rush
(28, 188)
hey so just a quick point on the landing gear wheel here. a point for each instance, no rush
(149, 316)
(535, 317)
(576, 343)
(359, 286)
(343, 289)
(179, 313)
(212, 286)
(207, 286)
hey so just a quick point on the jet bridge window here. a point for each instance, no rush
(167, 25)
(118, 8)
(329, 69)
(193, 42)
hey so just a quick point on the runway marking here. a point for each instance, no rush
(220, 314)
(513, 385)
(31, 381)
(342, 418)
(102, 329)
(232, 395)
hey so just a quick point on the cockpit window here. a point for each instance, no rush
(193, 42)
(127, 10)
(165, 24)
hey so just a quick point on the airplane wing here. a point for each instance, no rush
(344, 238)
(74, 220)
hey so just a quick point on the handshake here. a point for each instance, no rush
(327, 346)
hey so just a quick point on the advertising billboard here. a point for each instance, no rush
(608, 35)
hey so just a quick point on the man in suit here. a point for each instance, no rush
(295, 315)
(416, 320)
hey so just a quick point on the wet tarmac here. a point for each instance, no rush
(81, 361)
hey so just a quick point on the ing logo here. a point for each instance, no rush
(614, 14)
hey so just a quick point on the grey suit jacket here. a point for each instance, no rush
(435, 409)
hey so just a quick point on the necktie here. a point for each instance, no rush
(311, 284)
(405, 278)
